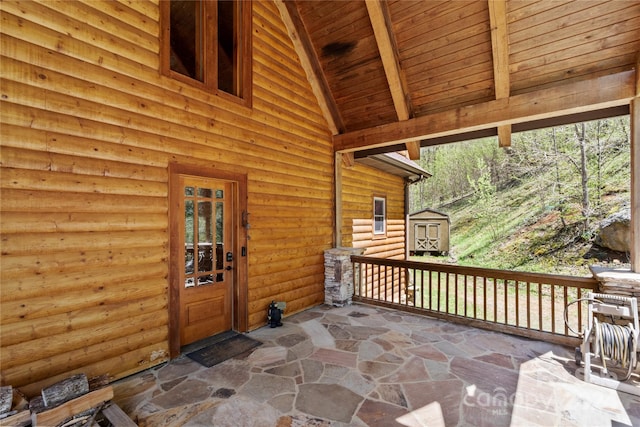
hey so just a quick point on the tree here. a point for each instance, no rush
(484, 192)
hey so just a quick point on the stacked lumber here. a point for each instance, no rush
(74, 401)
(14, 407)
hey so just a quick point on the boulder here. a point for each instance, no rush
(615, 232)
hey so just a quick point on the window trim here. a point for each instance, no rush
(383, 233)
(210, 44)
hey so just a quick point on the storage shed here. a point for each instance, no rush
(428, 232)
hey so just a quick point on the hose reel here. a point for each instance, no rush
(614, 343)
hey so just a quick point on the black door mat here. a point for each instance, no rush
(219, 352)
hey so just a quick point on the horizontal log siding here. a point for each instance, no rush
(359, 185)
(89, 127)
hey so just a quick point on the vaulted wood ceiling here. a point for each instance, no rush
(399, 74)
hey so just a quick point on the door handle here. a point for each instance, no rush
(228, 268)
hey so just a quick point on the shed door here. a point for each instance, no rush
(206, 279)
(427, 237)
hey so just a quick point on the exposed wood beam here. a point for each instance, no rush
(381, 23)
(311, 64)
(413, 149)
(585, 116)
(348, 159)
(500, 51)
(572, 98)
(504, 136)
(379, 16)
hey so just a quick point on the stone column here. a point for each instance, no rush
(338, 276)
(620, 282)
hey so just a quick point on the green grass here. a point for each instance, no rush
(524, 230)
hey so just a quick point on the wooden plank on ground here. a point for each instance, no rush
(22, 418)
(117, 416)
(56, 415)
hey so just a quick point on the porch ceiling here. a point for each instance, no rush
(424, 72)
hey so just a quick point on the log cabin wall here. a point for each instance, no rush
(89, 127)
(360, 184)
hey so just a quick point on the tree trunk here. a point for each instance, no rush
(558, 180)
(584, 175)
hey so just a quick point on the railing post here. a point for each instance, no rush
(497, 296)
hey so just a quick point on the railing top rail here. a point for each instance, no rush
(583, 282)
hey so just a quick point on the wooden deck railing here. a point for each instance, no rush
(520, 303)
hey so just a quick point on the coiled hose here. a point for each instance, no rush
(616, 342)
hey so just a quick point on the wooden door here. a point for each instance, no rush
(205, 279)
(433, 239)
(427, 237)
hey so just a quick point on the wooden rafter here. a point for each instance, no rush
(379, 16)
(310, 64)
(500, 51)
(571, 98)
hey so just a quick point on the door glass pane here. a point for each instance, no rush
(205, 280)
(188, 241)
(219, 236)
(205, 192)
(205, 236)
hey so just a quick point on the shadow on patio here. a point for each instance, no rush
(368, 366)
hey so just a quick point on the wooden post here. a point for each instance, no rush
(635, 185)
(337, 183)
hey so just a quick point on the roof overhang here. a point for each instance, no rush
(395, 164)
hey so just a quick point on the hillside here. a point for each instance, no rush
(525, 220)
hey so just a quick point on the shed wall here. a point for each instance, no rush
(89, 127)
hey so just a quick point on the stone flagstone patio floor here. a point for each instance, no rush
(367, 366)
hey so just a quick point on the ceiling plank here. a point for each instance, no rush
(572, 98)
(311, 65)
(500, 52)
(381, 23)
